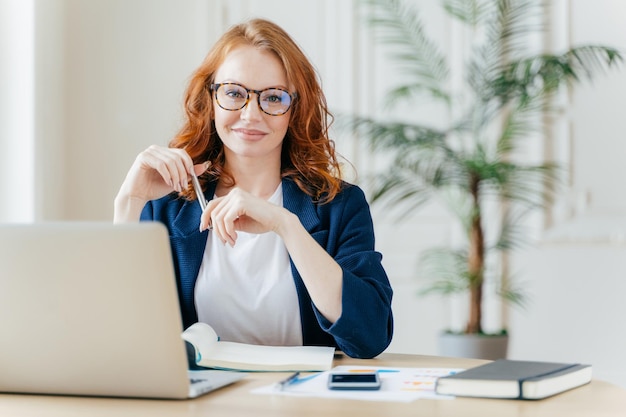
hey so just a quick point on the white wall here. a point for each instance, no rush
(576, 273)
(577, 309)
(17, 110)
(126, 64)
(109, 81)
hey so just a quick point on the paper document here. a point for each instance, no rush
(398, 384)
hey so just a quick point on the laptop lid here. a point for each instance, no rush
(90, 309)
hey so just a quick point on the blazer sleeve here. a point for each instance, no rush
(365, 328)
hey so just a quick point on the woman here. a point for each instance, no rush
(283, 253)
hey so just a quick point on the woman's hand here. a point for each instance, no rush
(241, 211)
(156, 172)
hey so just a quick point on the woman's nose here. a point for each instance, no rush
(252, 109)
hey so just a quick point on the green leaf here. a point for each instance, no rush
(471, 12)
(400, 27)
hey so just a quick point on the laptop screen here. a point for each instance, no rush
(90, 309)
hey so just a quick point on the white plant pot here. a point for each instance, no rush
(473, 345)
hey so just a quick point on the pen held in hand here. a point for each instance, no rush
(198, 189)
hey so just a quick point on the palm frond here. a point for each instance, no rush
(542, 75)
(512, 232)
(401, 28)
(515, 20)
(413, 91)
(445, 270)
(590, 59)
(506, 30)
(514, 292)
(520, 121)
(400, 191)
(533, 186)
(413, 180)
(459, 203)
(471, 12)
(390, 135)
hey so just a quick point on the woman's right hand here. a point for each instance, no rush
(156, 172)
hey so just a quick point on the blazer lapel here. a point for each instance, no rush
(187, 221)
(189, 245)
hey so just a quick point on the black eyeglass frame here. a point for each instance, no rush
(292, 96)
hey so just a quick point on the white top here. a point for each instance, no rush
(246, 292)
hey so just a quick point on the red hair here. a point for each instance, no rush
(308, 154)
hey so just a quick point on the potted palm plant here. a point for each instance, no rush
(472, 165)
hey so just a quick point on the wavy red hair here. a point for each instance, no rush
(308, 154)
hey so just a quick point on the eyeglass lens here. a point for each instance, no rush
(273, 101)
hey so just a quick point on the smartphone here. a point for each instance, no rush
(354, 381)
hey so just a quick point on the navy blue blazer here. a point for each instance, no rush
(343, 227)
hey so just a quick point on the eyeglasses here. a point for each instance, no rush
(233, 96)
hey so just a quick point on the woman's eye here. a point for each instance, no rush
(273, 99)
(234, 93)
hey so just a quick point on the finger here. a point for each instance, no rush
(200, 169)
(151, 159)
(206, 222)
(222, 218)
(183, 165)
(177, 164)
(229, 213)
(230, 218)
(217, 223)
(161, 160)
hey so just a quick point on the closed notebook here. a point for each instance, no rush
(513, 379)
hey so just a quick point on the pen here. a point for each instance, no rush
(289, 380)
(198, 190)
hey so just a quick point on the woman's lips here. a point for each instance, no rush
(249, 133)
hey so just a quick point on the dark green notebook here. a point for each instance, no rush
(513, 379)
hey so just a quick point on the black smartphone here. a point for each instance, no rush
(354, 381)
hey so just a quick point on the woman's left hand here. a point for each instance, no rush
(240, 211)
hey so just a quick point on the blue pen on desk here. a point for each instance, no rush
(289, 380)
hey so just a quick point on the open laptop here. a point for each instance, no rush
(92, 309)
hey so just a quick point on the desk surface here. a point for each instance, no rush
(597, 398)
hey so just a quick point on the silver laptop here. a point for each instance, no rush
(92, 309)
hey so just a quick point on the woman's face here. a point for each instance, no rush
(249, 132)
